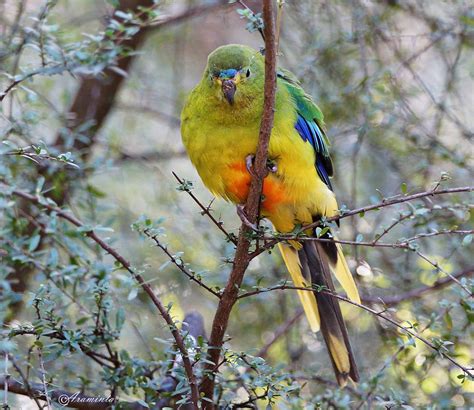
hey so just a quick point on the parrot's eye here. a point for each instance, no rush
(247, 74)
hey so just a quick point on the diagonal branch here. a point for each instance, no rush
(398, 199)
(419, 292)
(407, 329)
(179, 263)
(139, 278)
(206, 210)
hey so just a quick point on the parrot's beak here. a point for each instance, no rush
(228, 89)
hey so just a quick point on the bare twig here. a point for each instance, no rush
(279, 20)
(179, 263)
(5, 383)
(43, 379)
(396, 222)
(150, 156)
(419, 292)
(440, 269)
(398, 199)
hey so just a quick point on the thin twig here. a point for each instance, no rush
(279, 332)
(5, 383)
(43, 379)
(206, 210)
(279, 20)
(467, 371)
(398, 199)
(179, 263)
(419, 292)
(28, 388)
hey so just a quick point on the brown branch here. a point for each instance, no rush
(139, 278)
(467, 371)
(405, 244)
(150, 156)
(193, 325)
(242, 259)
(281, 330)
(398, 199)
(420, 292)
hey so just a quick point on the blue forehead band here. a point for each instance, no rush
(230, 73)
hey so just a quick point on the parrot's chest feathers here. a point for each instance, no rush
(220, 158)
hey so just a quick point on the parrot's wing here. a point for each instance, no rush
(309, 124)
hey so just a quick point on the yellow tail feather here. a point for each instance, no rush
(308, 300)
(344, 276)
(339, 354)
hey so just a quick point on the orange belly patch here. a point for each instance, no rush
(238, 184)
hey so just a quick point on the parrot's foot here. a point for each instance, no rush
(244, 219)
(250, 159)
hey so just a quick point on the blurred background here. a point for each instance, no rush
(394, 80)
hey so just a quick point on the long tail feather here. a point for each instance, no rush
(308, 300)
(313, 264)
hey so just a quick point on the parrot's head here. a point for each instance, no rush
(236, 73)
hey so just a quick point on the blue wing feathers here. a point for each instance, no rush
(308, 125)
(310, 132)
(323, 173)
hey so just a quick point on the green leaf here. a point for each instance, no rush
(403, 188)
(133, 294)
(34, 242)
(81, 321)
(120, 318)
(467, 240)
(84, 229)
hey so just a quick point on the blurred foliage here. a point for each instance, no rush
(395, 81)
